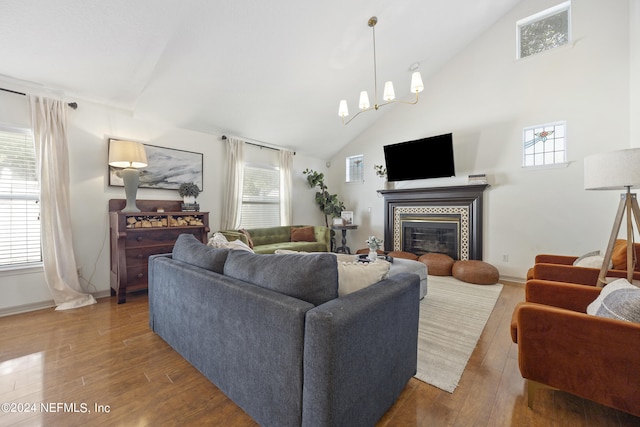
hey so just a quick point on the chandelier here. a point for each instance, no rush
(388, 95)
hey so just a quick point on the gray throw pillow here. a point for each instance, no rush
(622, 304)
(192, 251)
(312, 278)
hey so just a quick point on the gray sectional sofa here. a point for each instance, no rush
(271, 332)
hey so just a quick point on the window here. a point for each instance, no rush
(261, 197)
(19, 200)
(544, 31)
(545, 145)
(355, 168)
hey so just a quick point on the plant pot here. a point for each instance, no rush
(189, 199)
(373, 255)
(389, 185)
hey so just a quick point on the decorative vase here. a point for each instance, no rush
(373, 255)
(389, 185)
(189, 199)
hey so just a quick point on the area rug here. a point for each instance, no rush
(452, 317)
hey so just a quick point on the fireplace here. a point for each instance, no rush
(444, 220)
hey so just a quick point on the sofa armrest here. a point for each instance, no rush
(591, 357)
(323, 235)
(566, 273)
(232, 235)
(555, 259)
(360, 350)
(570, 296)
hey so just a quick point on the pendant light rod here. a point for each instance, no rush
(389, 93)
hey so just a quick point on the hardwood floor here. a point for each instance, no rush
(108, 368)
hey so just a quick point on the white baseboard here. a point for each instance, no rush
(25, 308)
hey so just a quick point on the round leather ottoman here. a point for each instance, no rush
(477, 272)
(403, 255)
(437, 264)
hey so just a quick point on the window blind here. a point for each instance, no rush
(260, 197)
(19, 199)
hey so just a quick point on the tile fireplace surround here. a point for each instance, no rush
(441, 211)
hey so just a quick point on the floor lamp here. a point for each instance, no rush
(129, 155)
(616, 170)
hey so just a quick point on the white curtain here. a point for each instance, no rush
(49, 122)
(232, 207)
(286, 171)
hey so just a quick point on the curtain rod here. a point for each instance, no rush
(73, 105)
(224, 137)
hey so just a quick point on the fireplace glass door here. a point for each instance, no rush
(441, 235)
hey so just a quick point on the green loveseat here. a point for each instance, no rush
(268, 240)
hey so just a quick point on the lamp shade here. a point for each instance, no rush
(612, 170)
(416, 82)
(343, 110)
(127, 154)
(389, 93)
(364, 100)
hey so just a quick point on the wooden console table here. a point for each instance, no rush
(135, 236)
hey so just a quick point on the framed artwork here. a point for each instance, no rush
(167, 169)
(347, 217)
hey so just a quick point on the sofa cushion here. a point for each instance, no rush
(312, 278)
(353, 276)
(190, 250)
(303, 234)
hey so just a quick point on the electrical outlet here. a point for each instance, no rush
(505, 258)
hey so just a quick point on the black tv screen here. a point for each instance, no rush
(420, 159)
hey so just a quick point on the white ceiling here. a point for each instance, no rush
(270, 71)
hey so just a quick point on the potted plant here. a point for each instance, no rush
(189, 191)
(381, 171)
(327, 202)
(374, 244)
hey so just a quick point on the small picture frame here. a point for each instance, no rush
(338, 221)
(347, 217)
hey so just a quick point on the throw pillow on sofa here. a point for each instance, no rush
(353, 276)
(593, 308)
(218, 240)
(312, 278)
(192, 251)
(302, 234)
(622, 304)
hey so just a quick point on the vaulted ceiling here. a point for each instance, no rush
(270, 71)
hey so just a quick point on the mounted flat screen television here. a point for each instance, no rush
(420, 159)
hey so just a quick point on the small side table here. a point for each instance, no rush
(344, 248)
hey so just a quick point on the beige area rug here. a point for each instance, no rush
(452, 317)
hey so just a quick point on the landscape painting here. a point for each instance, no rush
(167, 169)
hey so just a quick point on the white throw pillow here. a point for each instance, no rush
(218, 240)
(353, 276)
(593, 308)
(594, 261)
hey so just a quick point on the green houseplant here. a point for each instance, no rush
(189, 191)
(327, 202)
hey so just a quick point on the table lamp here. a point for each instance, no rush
(128, 155)
(612, 171)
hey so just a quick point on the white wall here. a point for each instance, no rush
(88, 128)
(486, 97)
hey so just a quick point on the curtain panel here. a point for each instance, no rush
(48, 119)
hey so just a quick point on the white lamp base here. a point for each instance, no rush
(131, 178)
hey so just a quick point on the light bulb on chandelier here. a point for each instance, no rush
(388, 95)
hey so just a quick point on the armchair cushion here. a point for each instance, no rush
(593, 308)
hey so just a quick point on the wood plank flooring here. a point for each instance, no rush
(101, 365)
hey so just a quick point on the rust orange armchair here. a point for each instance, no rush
(562, 347)
(560, 268)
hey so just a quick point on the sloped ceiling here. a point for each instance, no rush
(270, 71)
